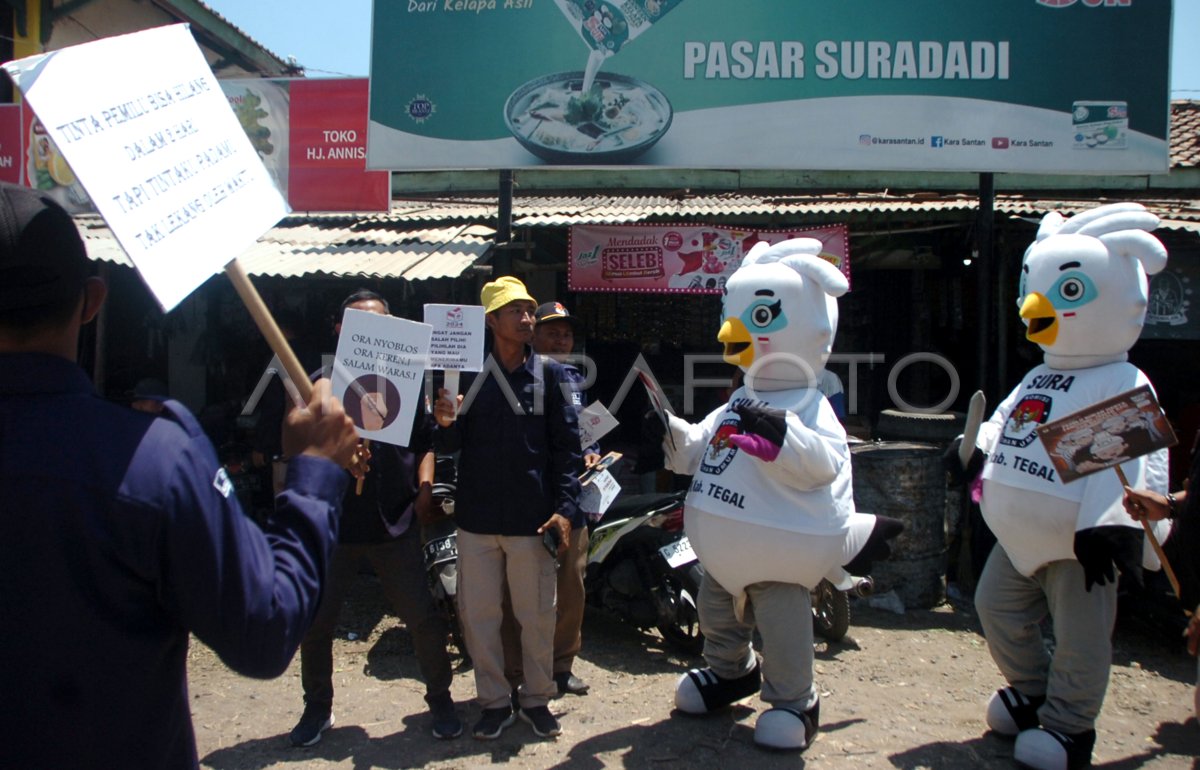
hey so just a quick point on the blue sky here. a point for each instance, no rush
(332, 39)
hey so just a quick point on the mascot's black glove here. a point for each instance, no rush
(763, 431)
(1099, 548)
(877, 547)
(958, 474)
(650, 449)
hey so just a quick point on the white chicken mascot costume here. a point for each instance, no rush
(770, 511)
(1083, 298)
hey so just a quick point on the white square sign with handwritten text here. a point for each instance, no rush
(148, 132)
(377, 373)
(457, 342)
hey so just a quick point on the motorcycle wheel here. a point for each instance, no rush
(831, 612)
(682, 589)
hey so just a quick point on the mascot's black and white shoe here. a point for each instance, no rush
(788, 729)
(700, 691)
(1009, 712)
(1043, 749)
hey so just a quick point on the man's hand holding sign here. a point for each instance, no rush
(1103, 436)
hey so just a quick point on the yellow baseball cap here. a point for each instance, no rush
(503, 290)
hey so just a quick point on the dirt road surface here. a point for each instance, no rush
(901, 691)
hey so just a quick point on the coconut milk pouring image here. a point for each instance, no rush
(606, 28)
(590, 116)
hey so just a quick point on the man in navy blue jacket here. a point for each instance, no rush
(517, 481)
(122, 533)
(554, 337)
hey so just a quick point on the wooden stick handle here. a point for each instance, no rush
(269, 329)
(1158, 551)
(358, 485)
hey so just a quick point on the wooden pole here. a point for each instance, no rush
(270, 330)
(1162, 557)
(279, 344)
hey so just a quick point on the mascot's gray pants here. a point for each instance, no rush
(783, 614)
(1074, 679)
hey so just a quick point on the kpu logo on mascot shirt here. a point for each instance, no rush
(1030, 412)
(721, 450)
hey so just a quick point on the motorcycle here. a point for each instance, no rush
(440, 549)
(641, 567)
(831, 604)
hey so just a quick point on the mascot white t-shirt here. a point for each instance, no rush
(813, 497)
(1033, 514)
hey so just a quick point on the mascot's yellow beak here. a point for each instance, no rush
(735, 335)
(1043, 321)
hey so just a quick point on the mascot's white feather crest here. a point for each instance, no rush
(804, 256)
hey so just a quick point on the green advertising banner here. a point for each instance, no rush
(1039, 86)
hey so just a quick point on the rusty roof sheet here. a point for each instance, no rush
(1185, 133)
(565, 211)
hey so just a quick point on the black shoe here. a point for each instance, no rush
(542, 721)
(1042, 748)
(446, 723)
(313, 722)
(493, 722)
(569, 683)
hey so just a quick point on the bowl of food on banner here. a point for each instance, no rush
(618, 119)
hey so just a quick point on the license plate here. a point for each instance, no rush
(677, 553)
(441, 548)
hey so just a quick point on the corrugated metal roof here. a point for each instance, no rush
(299, 248)
(565, 210)
(613, 209)
(419, 240)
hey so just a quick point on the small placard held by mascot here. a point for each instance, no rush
(1106, 434)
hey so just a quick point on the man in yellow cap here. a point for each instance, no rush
(518, 468)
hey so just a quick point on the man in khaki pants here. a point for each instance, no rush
(554, 336)
(518, 438)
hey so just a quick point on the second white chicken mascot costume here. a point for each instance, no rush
(770, 511)
(1083, 298)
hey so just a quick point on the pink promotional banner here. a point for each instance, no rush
(679, 258)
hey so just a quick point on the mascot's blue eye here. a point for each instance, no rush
(763, 316)
(1072, 290)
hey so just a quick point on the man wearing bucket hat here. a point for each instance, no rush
(518, 487)
(122, 533)
(554, 336)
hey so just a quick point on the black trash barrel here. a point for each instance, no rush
(905, 480)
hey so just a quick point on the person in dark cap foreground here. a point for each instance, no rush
(122, 532)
